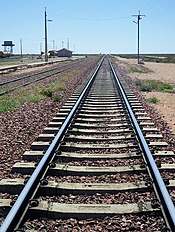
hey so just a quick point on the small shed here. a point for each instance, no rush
(64, 53)
(53, 53)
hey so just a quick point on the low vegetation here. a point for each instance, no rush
(153, 100)
(10, 102)
(136, 70)
(47, 92)
(21, 96)
(150, 85)
(158, 58)
(56, 98)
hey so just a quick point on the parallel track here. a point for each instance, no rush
(95, 137)
(16, 83)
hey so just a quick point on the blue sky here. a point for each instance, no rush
(92, 26)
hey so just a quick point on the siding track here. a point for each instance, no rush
(18, 82)
(96, 167)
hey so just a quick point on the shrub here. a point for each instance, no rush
(146, 87)
(164, 86)
(47, 92)
(149, 85)
(136, 70)
(153, 100)
(57, 98)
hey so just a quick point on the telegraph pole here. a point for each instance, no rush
(68, 43)
(41, 48)
(45, 21)
(138, 19)
(53, 41)
(46, 56)
(21, 47)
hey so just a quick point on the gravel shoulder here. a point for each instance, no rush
(20, 127)
(155, 71)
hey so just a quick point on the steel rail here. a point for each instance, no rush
(35, 74)
(17, 213)
(167, 206)
(30, 75)
(33, 81)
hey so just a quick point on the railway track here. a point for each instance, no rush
(18, 82)
(100, 165)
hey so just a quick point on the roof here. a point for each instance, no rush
(64, 49)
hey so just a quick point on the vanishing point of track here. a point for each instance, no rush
(99, 146)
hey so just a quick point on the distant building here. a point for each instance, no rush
(64, 53)
(4, 54)
(53, 53)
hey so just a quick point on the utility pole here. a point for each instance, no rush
(138, 19)
(45, 20)
(41, 48)
(53, 41)
(46, 55)
(41, 53)
(21, 47)
(68, 43)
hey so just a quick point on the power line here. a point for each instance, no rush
(91, 19)
(158, 7)
(162, 5)
(138, 20)
(153, 6)
(147, 5)
(161, 10)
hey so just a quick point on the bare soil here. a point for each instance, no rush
(155, 71)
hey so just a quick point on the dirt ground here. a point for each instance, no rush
(161, 72)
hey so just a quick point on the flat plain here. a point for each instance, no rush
(164, 72)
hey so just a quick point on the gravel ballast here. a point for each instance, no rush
(19, 128)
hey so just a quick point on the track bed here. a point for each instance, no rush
(97, 176)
